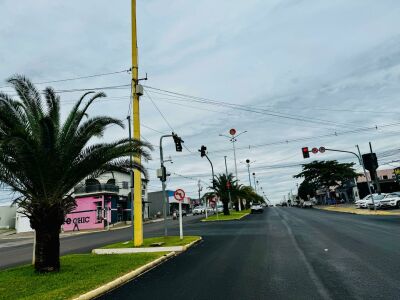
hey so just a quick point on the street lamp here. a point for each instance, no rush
(254, 179)
(233, 138)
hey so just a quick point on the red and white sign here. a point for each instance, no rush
(179, 195)
(314, 150)
(232, 131)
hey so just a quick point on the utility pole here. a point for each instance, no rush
(137, 182)
(233, 139)
(226, 173)
(131, 174)
(248, 170)
(200, 189)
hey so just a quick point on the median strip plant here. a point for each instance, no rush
(42, 158)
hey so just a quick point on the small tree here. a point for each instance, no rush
(324, 174)
(43, 159)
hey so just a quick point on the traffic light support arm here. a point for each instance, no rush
(212, 170)
(344, 151)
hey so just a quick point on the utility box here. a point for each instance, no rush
(139, 90)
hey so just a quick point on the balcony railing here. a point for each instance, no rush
(96, 188)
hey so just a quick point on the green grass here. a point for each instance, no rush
(234, 215)
(168, 241)
(80, 273)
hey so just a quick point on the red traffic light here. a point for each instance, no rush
(306, 153)
(314, 150)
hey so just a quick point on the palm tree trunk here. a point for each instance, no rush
(226, 208)
(47, 251)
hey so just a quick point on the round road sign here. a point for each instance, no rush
(232, 131)
(314, 150)
(179, 195)
(322, 149)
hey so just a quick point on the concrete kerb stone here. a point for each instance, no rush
(133, 274)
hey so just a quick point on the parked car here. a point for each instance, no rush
(307, 203)
(198, 210)
(256, 207)
(363, 203)
(377, 200)
(391, 200)
(220, 208)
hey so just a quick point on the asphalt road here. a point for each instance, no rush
(15, 252)
(285, 253)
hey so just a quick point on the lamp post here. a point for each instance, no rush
(254, 178)
(233, 138)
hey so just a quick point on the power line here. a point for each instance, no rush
(242, 107)
(77, 78)
(165, 119)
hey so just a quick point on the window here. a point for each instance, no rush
(125, 185)
(384, 177)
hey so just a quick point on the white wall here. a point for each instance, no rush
(7, 216)
(22, 223)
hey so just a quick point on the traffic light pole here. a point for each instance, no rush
(213, 183)
(362, 164)
(366, 178)
(131, 173)
(163, 179)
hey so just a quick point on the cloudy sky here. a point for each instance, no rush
(291, 73)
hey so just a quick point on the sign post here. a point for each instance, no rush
(179, 195)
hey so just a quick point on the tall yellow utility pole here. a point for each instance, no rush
(137, 185)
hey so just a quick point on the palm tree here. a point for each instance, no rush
(223, 185)
(42, 159)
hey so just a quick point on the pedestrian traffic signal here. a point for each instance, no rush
(203, 151)
(306, 153)
(178, 142)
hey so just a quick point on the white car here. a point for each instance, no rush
(391, 200)
(377, 200)
(363, 203)
(307, 203)
(256, 207)
(198, 210)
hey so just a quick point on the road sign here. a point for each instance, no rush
(179, 195)
(232, 131)
(314, 150)
(322, 149)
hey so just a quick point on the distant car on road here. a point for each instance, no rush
(283, 204)
(198, 210)
(256, 207)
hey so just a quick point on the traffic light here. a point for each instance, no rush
(203, 151)
(162, 174)
(178, 142)
(306, 153)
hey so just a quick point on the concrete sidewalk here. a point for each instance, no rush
(12, 234)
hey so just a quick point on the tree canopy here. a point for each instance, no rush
(324, 174)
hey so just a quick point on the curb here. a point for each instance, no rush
(241, 217)
(357, 213)
(132, 275)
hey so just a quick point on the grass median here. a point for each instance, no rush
(162, 241)
(80, 273)
(234, 215)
